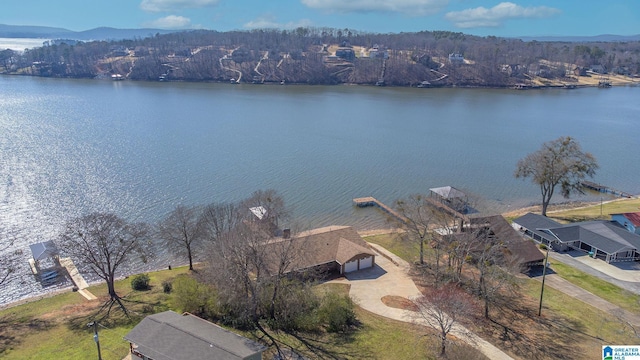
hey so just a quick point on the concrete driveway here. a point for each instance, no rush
(390, 278)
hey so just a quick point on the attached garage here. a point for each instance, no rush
(351, 266)
(366, 262)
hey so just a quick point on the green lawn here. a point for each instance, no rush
(595, 211)
(55, 328)
(567, 323)
(405, 249)
(612, 293)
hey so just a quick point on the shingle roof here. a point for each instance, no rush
(171, 336)
(525, 251)
(322, 246)
(537, 224)
(607, 236)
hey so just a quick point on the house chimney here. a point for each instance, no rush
(286, 233)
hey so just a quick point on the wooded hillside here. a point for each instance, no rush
(332, 56)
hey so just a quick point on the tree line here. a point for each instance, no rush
(299, 56)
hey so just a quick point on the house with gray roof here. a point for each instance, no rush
(171, 336)
(606, 240)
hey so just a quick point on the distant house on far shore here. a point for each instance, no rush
(455, 58)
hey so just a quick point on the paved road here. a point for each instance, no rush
(390, 277)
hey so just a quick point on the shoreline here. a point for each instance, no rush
(553, 84)
(553, 208)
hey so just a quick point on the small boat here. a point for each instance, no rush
(117, 77)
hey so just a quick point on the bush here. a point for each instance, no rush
(337, 313)
(542, 246)
(189, 295)
(140, 282)
(167, 287)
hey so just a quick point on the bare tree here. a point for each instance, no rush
(558, 162)
(218, 219)
(273, 204)
(495, 271)
(442, 308)
(181, 231)
(421, 219)
(104, 243)
(418, 217)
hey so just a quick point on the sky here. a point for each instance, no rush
(479, 17)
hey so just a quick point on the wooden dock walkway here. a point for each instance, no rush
(448, 209)
(77, 278)
(371, 201)
(604, 189)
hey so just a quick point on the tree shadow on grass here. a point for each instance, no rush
(529, 336)
(326, 348)
(14, 329)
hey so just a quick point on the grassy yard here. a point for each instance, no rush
(596, 211)
(612, 293)
(568, 329)
(56, 328)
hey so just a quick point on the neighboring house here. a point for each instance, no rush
(598, 69)
(377, 53)
(631, 221)
(455, 58)
(606, 240)
(346, 53)
(579, 71)
(171, 336)
(523, 252)
(333, 249)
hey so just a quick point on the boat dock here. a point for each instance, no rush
(77, 278)
(371, 201)
(444, 207)
(604, 189)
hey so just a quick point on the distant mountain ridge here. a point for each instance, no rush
(100, 33)
(109, 33)
(597, 38)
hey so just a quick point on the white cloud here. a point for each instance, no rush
(269, 22)
(497, 15)
(411, 7)
(173, 5)
(170, 22)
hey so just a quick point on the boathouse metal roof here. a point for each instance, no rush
(43, 250)
(448, 192)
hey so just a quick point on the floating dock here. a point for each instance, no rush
(604, 189)
(371, 201)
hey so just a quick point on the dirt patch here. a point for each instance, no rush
(399, 302)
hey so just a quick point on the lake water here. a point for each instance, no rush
(19, 44)
(69, 147)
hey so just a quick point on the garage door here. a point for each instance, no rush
(351, 266)
(366, 262)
